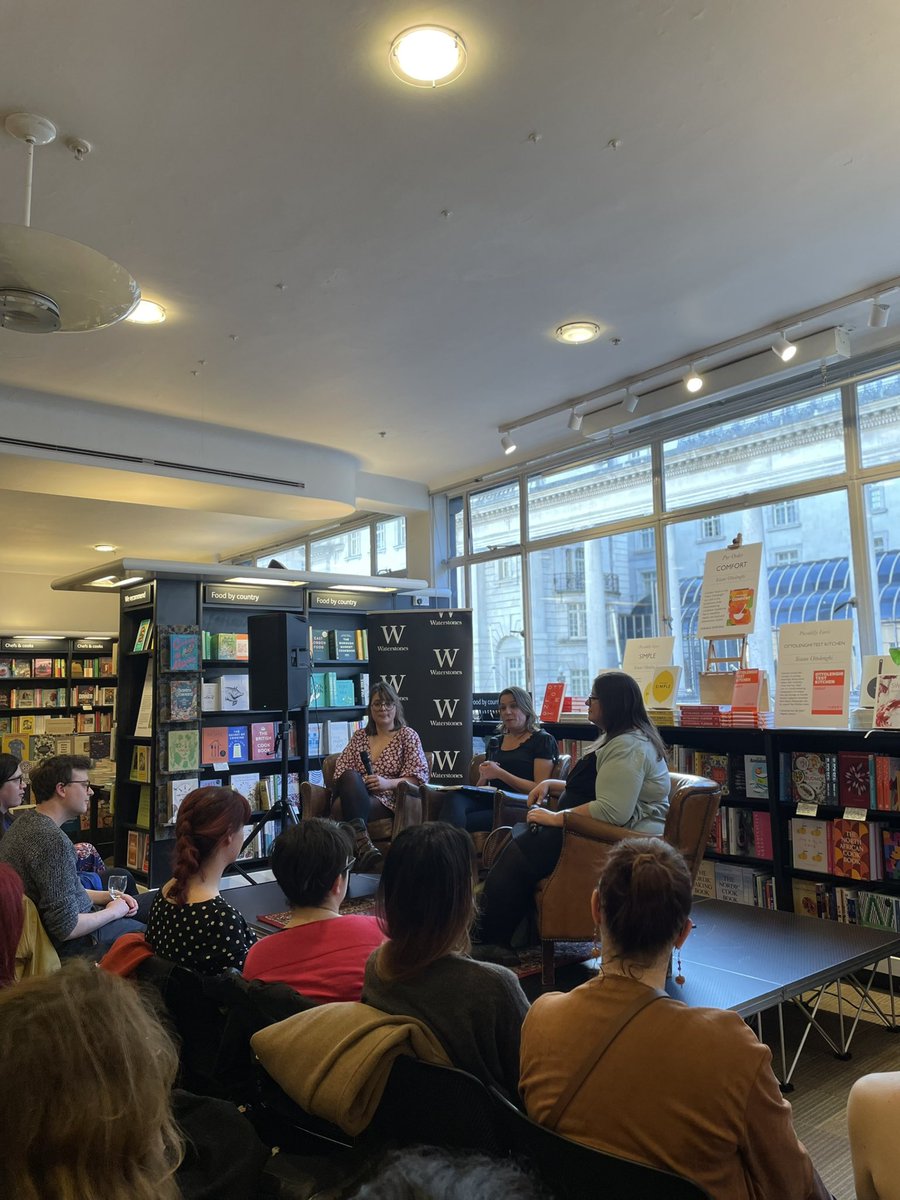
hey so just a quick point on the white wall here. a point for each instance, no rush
(27, 605)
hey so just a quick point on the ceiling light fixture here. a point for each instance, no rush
(105, 547)
(878, 314)
(631, 401)
(575, 419)
(428, 56)
(147, 312)
(576, 333)
(783, 348)
(692, 381)
(507, 443)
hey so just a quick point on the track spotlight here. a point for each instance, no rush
(631, 401)
(879, 313)
(783, 348)
(575, 419)
(692, 381)
(507, 443)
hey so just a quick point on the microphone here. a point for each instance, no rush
(367, 762)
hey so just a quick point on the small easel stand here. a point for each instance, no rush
(280, 810)
(736, 662)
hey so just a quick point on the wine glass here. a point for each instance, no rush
(115, 885)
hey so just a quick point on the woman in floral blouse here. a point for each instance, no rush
(372, 765)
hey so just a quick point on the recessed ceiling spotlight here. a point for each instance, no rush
(575, 419)
(631, 401)
(783, 348)
(692, 381)
(507, 443)
(428, 56)
(575, 333)
(147, 312)
(105, 547)
(879, 313)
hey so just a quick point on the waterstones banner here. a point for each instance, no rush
(426, 657)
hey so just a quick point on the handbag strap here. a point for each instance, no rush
(596, 1053)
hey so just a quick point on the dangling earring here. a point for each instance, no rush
(595, 949)
(679, 978)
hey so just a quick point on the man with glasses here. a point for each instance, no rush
(37, 848)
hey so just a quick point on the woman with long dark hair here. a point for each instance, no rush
(623, 779)
(12, 788)
(371, 767)
(518, 756)
(701, 1098)
(190, 923)
(426, 904)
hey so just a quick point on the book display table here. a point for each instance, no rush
(753, 959)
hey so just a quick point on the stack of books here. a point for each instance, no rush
(664, 716)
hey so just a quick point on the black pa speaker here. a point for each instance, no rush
(279, 661)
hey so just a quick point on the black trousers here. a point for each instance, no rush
(508, 894)
(356, 800)
(468, 811)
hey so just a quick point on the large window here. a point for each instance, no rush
(590, 494)
(495, 518)
(390, 545)
(349, 552)
(879, 420)
(884, 549)
(498, 621)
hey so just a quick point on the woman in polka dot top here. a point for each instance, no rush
(190, 924)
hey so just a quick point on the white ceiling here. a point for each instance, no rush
(239, 146)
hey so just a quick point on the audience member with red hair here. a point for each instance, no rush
(25, 949)
(190, 924)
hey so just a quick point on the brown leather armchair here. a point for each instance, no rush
(563, 898)
(318, 801)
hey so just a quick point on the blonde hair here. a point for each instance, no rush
(96, 1119)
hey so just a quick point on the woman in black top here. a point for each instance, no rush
(519, 756)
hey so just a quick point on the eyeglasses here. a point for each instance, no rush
(15, 778)
(349, 864)
(85, 783)
(383, 704)
(593, 696)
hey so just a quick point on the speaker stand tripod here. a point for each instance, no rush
(281, 810)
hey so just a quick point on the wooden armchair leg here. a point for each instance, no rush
(548, 963)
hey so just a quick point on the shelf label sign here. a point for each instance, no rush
(252, 597)
(729, 593)
(140, 595)
(807, 808)
(855, 814)
(813, 677)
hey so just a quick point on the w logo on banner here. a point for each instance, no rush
(394, 681)
(446, 708)
(393, 633)
(445, 760)
(446, 658)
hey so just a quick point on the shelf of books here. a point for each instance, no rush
(339, 682)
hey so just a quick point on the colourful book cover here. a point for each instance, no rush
(318, 644)
(806, 897)
(183, 750)
(142, 637)
(762, 835)
(43, 668)
(808, 781)
(242, 647)
(238, 743)
(140, 764)
(890, 839)
(262, 740)
(214, 744)
(182, 696)
(184, 652)
(226, 646)
(887, 698)
(551, 707)
(713, 766)
(855, 779)
(344, 693)
(132, 854)
(810, 845)
(851, 857)
(317, 689)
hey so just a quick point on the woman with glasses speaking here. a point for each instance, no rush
(622, 779)
(372, 765)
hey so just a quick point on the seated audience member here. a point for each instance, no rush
(872, 1122)
(12, 789)
(372, 764)
(321, 953)
(35, 846)
(623, 779)
(690, 1090)
(25, 949)
(426, 905)
(430, 1173)
(96, 1120)
(517, 757)
(189, 923)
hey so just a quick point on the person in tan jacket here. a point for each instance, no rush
(689, 1090)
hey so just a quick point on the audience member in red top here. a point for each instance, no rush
(321, 953)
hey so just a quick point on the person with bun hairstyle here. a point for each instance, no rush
(190, 924)
(321, 953)
(689, 1090)
(623, 778)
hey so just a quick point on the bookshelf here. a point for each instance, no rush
(821, 888)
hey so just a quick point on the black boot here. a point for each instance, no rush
(369, 859)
